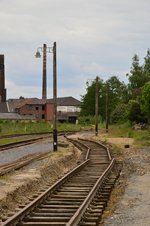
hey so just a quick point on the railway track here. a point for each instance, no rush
(14, 165)
(79, 198)
(21, 143)
(28, 141)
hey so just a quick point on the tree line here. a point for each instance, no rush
(122, 101)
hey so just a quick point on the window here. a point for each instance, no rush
(37, 108)
(43, 116)
(43, 107)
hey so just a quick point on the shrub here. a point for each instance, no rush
(119, 114)
(135, 114)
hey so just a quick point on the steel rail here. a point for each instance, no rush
(106, 148)
(26, 210)
(79, 213)
(21, 143)
(28, 141)
(84, 145)
(36, 134)
(88, 198)
(6, 168)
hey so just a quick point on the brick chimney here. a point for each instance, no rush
(2, 80)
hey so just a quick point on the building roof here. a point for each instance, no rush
(61, 101)
(66, 101)
(18, 103)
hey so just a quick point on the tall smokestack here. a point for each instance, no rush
(2, 80)
(44, 90)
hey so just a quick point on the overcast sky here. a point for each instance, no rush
(94, 37)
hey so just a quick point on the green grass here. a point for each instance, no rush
(8, 127)
(142, 137)
(10, 140)
(117, 130)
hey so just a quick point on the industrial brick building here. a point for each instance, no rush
(68, 108)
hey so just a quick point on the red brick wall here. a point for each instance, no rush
(37, 110)
(41, 112)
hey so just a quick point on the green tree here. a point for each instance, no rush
(88, 100)
(146, 66)
(119, 113)
(136, 79)
(117, 93)
(135, 113)
(113, 88)
(145, 99)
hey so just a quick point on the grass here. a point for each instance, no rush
(141, 137)
(125, 130)
(117, 130)
(10, 140)
(8, 127)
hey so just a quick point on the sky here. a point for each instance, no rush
(94, 38)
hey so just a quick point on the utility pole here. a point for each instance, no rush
(44, 91)
(107, 108)
(55, 98)
(96, 106)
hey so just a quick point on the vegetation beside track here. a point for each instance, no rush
(142, 137)
(85, 123)
(9, 127)
(11, 141)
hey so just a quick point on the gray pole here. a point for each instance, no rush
(55, 98)
(107, 107)
(96, 107)
(44, 91)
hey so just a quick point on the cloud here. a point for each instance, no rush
(97, 37)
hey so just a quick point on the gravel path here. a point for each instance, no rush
(15, 153)
(133, 208)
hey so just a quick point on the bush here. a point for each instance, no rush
(119, 114)
(135, 114)
(88, 120)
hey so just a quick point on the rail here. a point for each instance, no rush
(26, 210)
(79, 213)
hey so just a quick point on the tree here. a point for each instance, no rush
(145, 99)
(88, 100)
(135, 113)
(117, 93)
(21, 97)
(146, 66)
(119, 113)
(113, 88)
(136, 79)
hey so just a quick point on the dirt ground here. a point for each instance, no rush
(130, 199)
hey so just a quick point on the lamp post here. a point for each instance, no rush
(45, 50)
(55, 97)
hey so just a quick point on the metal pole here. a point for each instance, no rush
(106, 108)
(96, 107)
(44, 91)
(55, 98)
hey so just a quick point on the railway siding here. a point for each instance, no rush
(78, 198)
